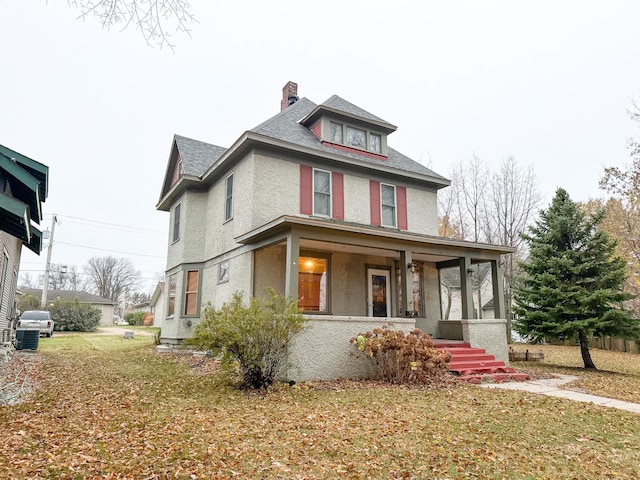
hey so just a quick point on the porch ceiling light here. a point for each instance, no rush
(411, 266)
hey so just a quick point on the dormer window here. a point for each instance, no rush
(375, 143)
(336, 132)
(354, 137)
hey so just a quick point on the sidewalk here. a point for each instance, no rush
(551, 387)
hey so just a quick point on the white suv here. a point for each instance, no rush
(36, 319)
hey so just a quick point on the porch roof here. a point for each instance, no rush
(371, 237)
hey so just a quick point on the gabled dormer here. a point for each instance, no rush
(340, 124)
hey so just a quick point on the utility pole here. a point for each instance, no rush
(47, 269)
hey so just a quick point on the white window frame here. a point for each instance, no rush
(395, 205)
(323, 193)
(228, 198)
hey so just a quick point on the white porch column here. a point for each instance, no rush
(291, 275)
(406, 280)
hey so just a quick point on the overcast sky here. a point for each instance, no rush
(549, 82)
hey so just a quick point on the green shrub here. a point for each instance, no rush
(28, 302)
(75, 316)
(252, 340)
(401, 358)
(135, 318)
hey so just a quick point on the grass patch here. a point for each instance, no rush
(113, 408)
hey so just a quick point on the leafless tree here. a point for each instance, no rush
(62, 277)
(494, 207)
(154, 18)
(514, 200)
(25, 280)
(622, 211)
(112, 278)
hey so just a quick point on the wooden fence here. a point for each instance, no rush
(605, 343)
(615, 344)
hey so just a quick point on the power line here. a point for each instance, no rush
(82, 274)
(112, 251)
(98, 223)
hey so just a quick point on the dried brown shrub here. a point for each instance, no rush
(401, 358)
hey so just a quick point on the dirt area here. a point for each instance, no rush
(17, 377)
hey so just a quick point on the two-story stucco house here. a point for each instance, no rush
(316, 204)
(23, 188)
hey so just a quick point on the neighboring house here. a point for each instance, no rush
(24, 185)
(451, 290)
(315, 204)
(105, 305)
(158, 304)
(144, 307)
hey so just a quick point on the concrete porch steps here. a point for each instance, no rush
(475, 365)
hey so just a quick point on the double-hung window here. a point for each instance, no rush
(321, 193)
(176, 223)
(388, 202)
(171, 307)
(191, 292)
(228, 201)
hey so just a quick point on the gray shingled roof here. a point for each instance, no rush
(197, 156)
(338, 103)
(83, 297)
(285, 126)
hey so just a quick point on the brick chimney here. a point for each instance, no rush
(289, 95)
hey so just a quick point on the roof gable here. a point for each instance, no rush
(188, 157)
(197, 156)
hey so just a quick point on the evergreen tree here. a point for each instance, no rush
(571, 285)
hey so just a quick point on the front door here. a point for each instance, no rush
(379, 287)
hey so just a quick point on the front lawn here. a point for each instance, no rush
(618, 374)
(113, 408)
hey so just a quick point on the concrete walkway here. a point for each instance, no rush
(551, 387)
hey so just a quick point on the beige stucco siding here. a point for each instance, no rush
(269, 269)
(276, 189)
(322, 350)
(356, 199)
(190, 246)
(422, 216)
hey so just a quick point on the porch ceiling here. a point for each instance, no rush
(355, 238)
(361, 250)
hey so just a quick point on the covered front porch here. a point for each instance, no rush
(352, 278)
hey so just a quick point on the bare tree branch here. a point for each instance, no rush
(154, 18)
(112, 278)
